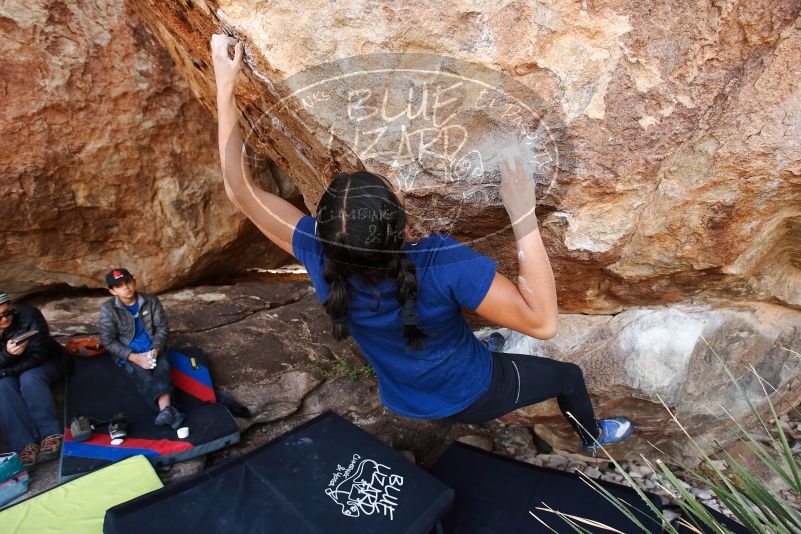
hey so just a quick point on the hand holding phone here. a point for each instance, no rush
(25, 336)
(15, 349)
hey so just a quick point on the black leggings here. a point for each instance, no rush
(519, 380)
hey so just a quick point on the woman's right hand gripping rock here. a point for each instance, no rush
(226, 69)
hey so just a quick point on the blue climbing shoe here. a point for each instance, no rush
(494, 342)
(613, 430)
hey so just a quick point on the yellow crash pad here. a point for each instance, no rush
(80, 505)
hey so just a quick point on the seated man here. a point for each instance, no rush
(27, 370)
(133, 328)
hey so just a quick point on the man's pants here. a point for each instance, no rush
(27, 410)
(150, 383)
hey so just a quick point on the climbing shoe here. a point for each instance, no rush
(118, 427)
(494, 342)
(612, 431)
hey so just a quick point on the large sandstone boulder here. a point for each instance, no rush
(107, 158)
(665, 136)
(664, 139)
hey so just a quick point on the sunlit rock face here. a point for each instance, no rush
(107, 158)
(664, 137)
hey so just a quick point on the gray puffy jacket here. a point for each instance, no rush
(117, 326)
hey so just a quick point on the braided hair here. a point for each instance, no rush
(360, 223)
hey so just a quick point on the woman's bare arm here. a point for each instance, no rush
(274, 216)
(530, 306)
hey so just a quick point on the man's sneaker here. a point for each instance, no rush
(494, 342)
(613, 430)
(170, 416)
(29, 454)
(50, 447)
(118, 427)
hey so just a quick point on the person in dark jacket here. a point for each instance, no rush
(27, 371)
(133, 328)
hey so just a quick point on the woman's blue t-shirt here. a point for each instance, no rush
(453, 369)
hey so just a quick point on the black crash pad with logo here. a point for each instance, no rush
(495, 494)
(326, 476)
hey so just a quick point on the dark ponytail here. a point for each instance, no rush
(360, 223)
(406, 277)
(336, 305)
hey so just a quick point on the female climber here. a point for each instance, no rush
(402, 301)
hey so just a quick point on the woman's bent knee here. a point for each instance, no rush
(574, 374)
(32, 378)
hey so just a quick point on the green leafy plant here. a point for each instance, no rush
(367, 371)
(362, 372)
(755, 506)
(342, 367)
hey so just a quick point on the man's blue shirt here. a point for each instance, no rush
(141, 341)
(453, 369)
